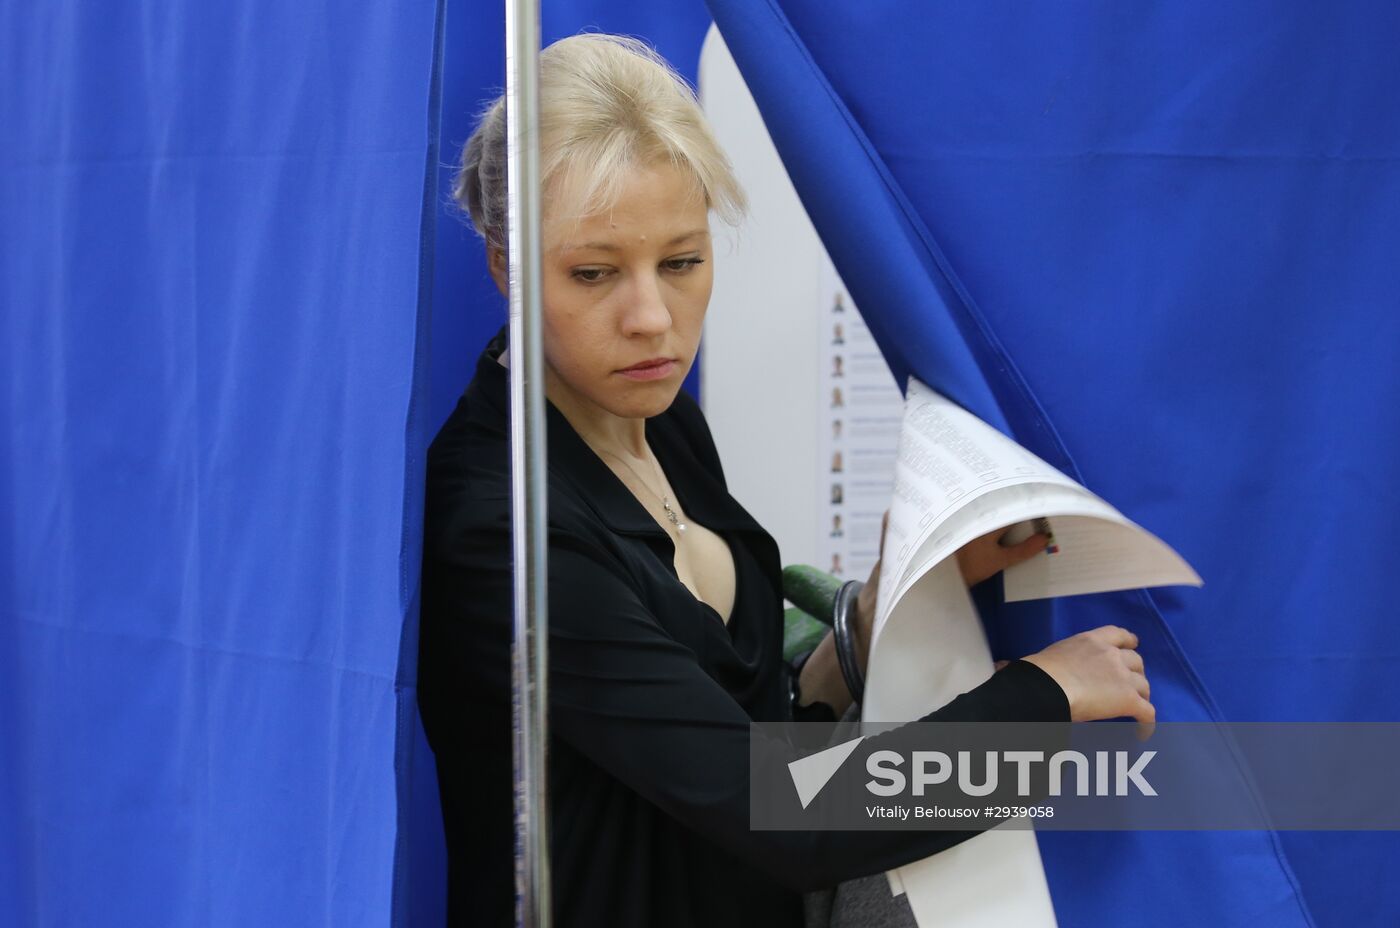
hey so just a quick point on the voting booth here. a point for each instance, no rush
(1152, 244)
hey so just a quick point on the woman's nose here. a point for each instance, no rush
(647, 313)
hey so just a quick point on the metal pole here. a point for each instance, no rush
(529, 519)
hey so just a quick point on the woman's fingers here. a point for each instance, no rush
(874, 575)
(1145, 712)
(1117, 636)
(1146, 716)
(986, 555)
(865, 599)
(1126, 641)
(1011, 555)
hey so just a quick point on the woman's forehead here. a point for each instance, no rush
(658, 206)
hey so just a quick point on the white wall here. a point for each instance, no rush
(759, 371)
(772, 360)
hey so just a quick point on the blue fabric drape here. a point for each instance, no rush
(1163, 234)
(212, 219)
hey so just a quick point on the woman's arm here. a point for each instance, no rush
(638, 704)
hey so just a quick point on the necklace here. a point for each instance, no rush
(665, 500)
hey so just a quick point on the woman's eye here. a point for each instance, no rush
(589, 275)
(681, 265)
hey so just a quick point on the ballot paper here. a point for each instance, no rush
(956, 479)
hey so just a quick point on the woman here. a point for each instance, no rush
(665, 608)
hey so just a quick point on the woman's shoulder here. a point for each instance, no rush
(468, 486)
(468, 463)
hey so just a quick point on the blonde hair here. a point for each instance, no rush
(608, 105)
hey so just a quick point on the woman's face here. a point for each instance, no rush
(624, 296)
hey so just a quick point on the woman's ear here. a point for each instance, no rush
(496, 263)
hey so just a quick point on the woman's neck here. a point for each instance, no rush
(601, 430)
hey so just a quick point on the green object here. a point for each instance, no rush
(812, 593)
(811, 590)
(801, 633)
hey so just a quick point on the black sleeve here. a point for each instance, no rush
(636, 702)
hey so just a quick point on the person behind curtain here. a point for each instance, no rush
(665, 604)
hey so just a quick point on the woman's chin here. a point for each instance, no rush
(643, 400)
(654, 405)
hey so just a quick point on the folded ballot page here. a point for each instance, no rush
(956, 479)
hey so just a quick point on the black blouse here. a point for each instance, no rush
(650, 692)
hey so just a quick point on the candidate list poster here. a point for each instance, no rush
(859, 413)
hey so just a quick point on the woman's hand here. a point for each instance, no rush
(865, 602)
(985, 556)
(1102, 676)
(821, 679)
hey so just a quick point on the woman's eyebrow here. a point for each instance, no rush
(590, 246)
(693, 233)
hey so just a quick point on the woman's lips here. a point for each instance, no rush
(655, 369)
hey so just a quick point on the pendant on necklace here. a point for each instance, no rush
(671, 514)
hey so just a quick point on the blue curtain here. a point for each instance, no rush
(1156, 243)
(212, 220)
